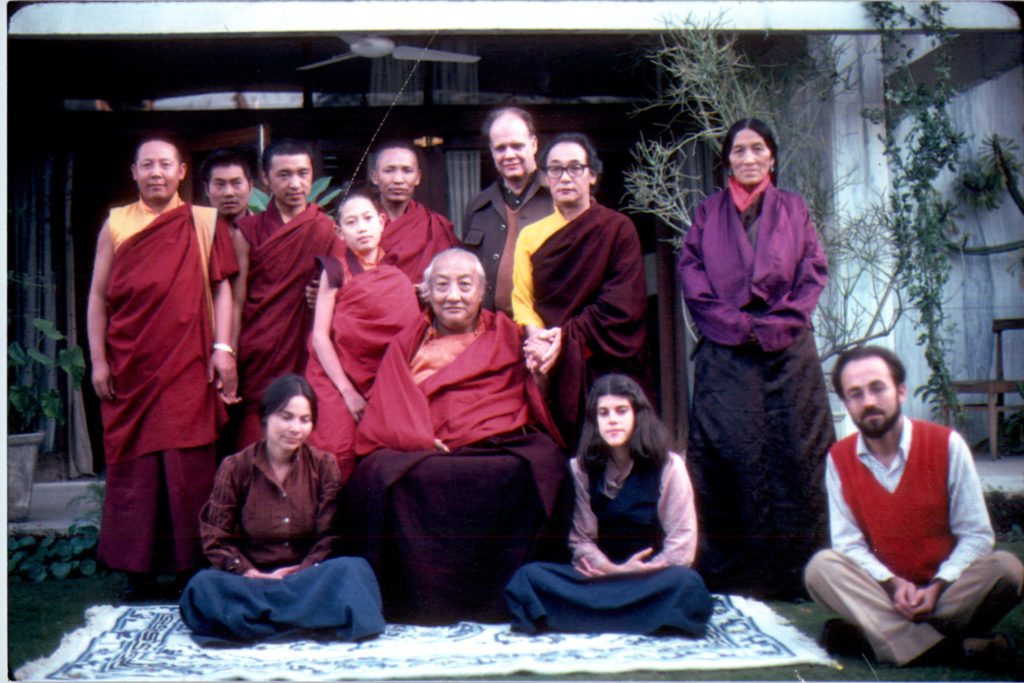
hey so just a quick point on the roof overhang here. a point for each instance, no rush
(312, 17)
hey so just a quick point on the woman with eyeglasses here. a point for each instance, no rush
(752, 270)
(579, 287)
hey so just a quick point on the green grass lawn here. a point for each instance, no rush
(40, 613)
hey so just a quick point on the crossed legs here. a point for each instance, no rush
(988, 589)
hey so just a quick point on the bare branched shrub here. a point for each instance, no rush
(707, 82)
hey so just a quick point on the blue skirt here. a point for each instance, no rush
(544, 595)
(336, 599)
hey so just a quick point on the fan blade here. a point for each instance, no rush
(333, 60)
(350, 38)
(415, 53)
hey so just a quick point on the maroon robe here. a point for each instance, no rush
(159, 432)
(276, 321)
(415, 238)
(371, 307)
(446, 531)
(485, 391)
(588, 279)
(159, 339)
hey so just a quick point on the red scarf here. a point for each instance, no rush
(742, 197)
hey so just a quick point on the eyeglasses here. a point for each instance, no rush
(575, 170)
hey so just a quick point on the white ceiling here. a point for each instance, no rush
(312, 17)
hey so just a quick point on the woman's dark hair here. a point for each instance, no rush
(583, 141)
(896, 368)
(759, 127)
(649, 440)
(282, 390)
(365, 190)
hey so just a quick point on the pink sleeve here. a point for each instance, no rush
(677, 514)
(583, 535)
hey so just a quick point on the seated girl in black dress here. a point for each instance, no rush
(268, 531)
(634, 532)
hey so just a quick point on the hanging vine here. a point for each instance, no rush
(920, 142)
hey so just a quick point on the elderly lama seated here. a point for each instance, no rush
(464, 478)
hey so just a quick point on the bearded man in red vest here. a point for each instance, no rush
(911, 570)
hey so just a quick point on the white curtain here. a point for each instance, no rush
(388, 82)
(455, 82)
(462, 171)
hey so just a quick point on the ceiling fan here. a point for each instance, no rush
(379, 46)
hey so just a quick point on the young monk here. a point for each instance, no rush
(362, 301)
(276, 251)
(634, 531)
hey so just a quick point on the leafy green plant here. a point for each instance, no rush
(29, 400)
(1011, 429)
(1007, 514)
(89, 503)
(984, 183)
(34, 558)
(259, 199)
(983, 180)
(926, 144)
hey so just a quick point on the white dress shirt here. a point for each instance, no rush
(968, 516)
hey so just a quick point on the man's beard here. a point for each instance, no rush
(876, 432)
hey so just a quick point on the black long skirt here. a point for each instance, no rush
(760, 430)
(544, 595)
(336, 599)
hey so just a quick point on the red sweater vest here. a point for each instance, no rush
(908, 529)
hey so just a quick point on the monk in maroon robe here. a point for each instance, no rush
(413, 234)
(463, 483)
(363, 301)
(159, 317)
(579, 287)
(277, 252)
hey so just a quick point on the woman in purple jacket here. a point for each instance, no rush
(760, 427)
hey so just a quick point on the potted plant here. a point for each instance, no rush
(31, 400)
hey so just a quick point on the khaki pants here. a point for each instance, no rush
(970, 606)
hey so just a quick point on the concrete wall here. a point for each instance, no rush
(981, 287)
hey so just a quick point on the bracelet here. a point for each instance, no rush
(220, 346)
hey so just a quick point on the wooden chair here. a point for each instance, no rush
(992, 388)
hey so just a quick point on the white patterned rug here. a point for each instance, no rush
(151, 643)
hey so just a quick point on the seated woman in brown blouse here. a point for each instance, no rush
(267, 530)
